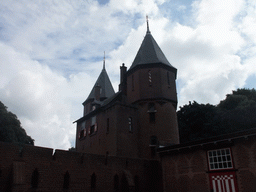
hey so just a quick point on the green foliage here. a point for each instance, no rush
(10, 128)
(236, 113)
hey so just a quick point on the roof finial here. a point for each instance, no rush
(147, 24)
(104, 61)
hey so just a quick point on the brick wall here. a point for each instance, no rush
(49, 167)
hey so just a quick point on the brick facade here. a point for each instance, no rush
(18, 165)
(186, 167)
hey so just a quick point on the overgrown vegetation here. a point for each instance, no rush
(235, 113)
(10, 128)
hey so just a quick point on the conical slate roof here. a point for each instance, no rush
(149, 53)
(106, 87)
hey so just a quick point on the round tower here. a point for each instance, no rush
(151, 87)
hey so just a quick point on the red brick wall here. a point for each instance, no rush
(16, 170)
(187, 169)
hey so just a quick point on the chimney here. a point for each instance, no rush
(122, 85)
(97, 92)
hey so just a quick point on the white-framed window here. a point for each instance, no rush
(220, 159)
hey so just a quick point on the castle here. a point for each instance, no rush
(140, 116)
(129, 141)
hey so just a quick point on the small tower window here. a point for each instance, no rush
(35, 179)
(151, 112)
(116, 182)
(132, 83)
(66, 180)
(149, 78)
(130, 124)
(107, 125)
(93, 181)
(168, 79)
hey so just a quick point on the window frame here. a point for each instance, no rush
(220, 159)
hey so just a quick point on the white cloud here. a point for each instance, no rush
(51, 54)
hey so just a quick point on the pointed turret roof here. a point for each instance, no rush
(104, 82)
(149, 52)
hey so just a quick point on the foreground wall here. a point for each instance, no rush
(187, 167)
(30, 168)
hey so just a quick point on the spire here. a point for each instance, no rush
(147, 25)
(104, 61)
(104, 83)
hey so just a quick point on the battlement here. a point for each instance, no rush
(28, 167)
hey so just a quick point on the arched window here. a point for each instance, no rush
(116, 182)
(93, 181)
(136, 183)
(124, 184)
(66, 180)
(35, 179)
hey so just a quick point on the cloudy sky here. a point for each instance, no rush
(51, 53)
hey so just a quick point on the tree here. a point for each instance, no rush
(10, 128)
(236, 112)
(197, 121)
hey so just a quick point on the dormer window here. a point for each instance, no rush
(93, 127)
(82, 132)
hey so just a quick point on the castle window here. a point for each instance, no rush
(151, 112)
(220, 159)
(35, 179)
(153, 140)
(116, 182)
(168, 79)
(136, 182)
(93, 181)
(66, 181)
(107, 125)
(93, 127)
(130, 124)
(132, 83)
(149, 78)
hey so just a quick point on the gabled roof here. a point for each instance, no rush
(106, 87)
(149, 53)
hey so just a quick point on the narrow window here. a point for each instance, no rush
(93, 127)
(153, 140)
(66, 180)
(149, 78)
(168, 79)
(35, 179)
(93, 181)
(130, 124)
(132, 83)
(152, 112)
(116, 182)
(136, 182)
(107, 125)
